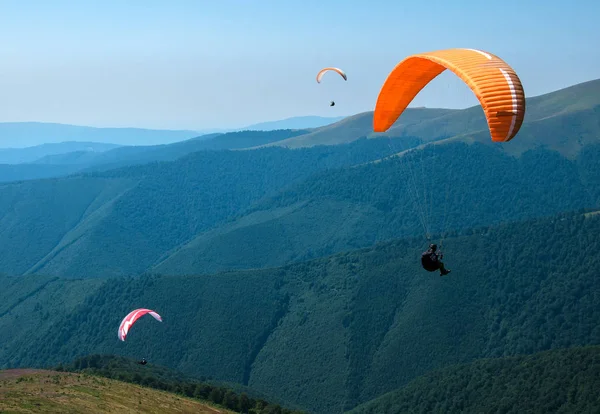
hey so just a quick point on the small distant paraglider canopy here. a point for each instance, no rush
(131, 318)
(325, 70)
(494, 82)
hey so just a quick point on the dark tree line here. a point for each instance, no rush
(126, 370)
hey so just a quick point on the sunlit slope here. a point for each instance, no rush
(38, 391)
(358, 126)
(430, 124)
(335, 332)
(567, 133)
(558, 381)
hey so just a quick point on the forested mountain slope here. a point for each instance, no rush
(214, 209)
(122, 221)
(559, 381)
(334, 332)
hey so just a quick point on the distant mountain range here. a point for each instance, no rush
(32, 154)
(27, 134)
(297, 122)
(17, 135)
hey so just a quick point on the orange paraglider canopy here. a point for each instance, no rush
(493, 81)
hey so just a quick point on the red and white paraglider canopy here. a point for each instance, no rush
(133, 316)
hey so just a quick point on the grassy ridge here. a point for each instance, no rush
(56, 392)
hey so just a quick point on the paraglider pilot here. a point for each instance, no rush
(431, 259)
(143, 361)
(332, 103)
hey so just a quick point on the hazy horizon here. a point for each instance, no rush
(171, 129)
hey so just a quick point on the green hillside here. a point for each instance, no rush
(459, 186)
(266, 219)
(335, 332)
(358, 126)
(561, 381)
(38, 218)
(574, 110)
(575, 98)
(567, 133)
(122, 221)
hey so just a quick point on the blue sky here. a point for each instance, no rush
(184, 64)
